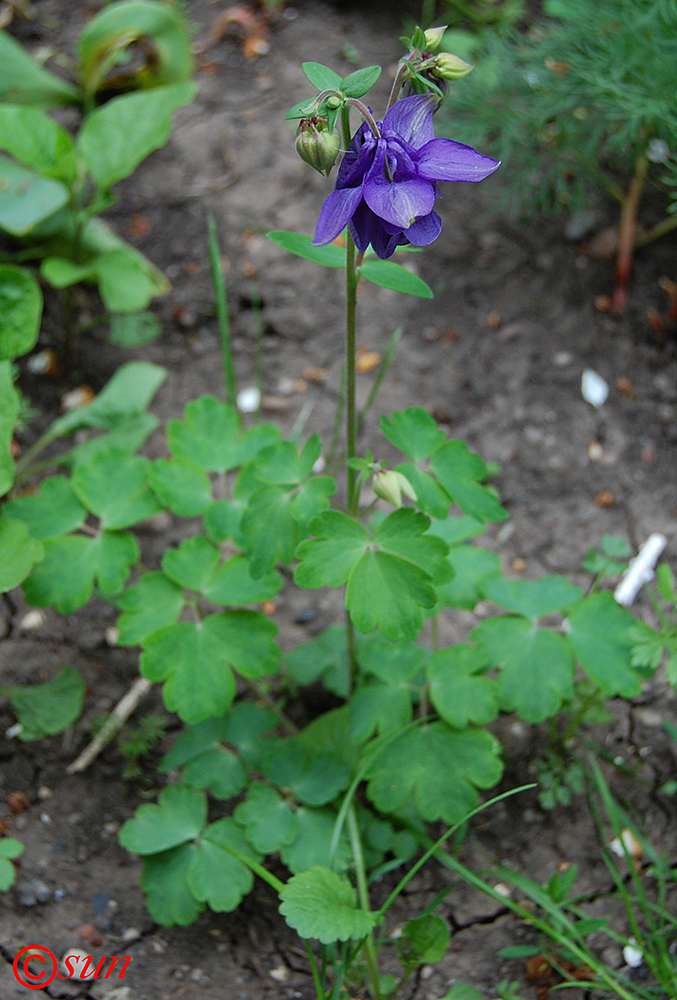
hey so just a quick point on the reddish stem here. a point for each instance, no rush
(626, 235)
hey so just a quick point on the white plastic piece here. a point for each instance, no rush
(594, 389)
(632, 955)
(640, 570)
(249, 400)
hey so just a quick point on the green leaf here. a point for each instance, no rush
(215, 876)
(129, 392)
(53, 510)
(324, 659)
(35, 139)
(665, 582)
(430, 497)
(424, 940)
(209, 436)
(462, 992)
(181, 486)
(533, 598)
(195, 660)
(217, 770)
(65, 576)
(321, 76)
(440, 767)
(9, 412)
(165, 882)
(20, 310)
(457, 528)
(414, 432)
(599, 632)
(128, 434)
(472, 568)
(9, 848)
(357, 84)
(271, 532)
(538, 668)
(233, 584)
(134, 329)
(193, 741)
(114, 486)
(222, 521)
(151, 604)
(192, 564)
(127, 280)
(47, 709)
(269, 821)
(116, 137)
(24, 81)
(460, 472)
(178, 816)
(388, 274)
(313, 841)
(113, 553)
(18, 553)
(387, 703)
(26, 198)
(300, 110)
(320, 904)
(458, 690)
(245, 727)
(301, 245)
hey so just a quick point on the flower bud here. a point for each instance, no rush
(450, 67)
(390, 485)
(433, 38)
(316, 145)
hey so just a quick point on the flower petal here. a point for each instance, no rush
(335, 214)
(412, 119)
(366, 228)
(399, 202)
(424, 230)
(446, 160)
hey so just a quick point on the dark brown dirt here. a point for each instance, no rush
(497, 356)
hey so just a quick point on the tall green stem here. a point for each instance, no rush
(363, 895)
(351, 412)
(222, 313)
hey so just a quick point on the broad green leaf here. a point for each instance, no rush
(222, 521)
(9, 412)
(386, 704)
(458, 689)
(113, 553)
(24, 81)
(441, 768)
(268, 820)
(321, 76)
(315, 778)
(178, 816)
(53, 510)
(379, 708)
(209, 435)
(217, 877)
(26, 198)
(598, 631)
(47, 709)
(414, 432)
(158, 31)
(271, 532)
(20, 311)
(65, 576)
(430, 497)
(233, 584)
(195, 660)
(300, 110)
(533, 598)
(424, 940)
(325, 659)
(460, 472)
(181, 486)
(134, 329)
(193, 741)
(129, 392)
(217, 770)
(192, 564)
(152, 603)
(538, 668)
(460, 991)
(357, 84)
(282, 465)
(126, 281)
(165, 882)
(9, 848)
(37, 141)
(665, 582)
(472, 568)
(245, 726)
(320, 904)
(457, 528)
(128, 434)
(114, 486)
(301, 246)
(311, 846)
(19, 552)
(116, 137)
(388, 274)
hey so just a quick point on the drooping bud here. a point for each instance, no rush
(433, 38)
(450, 67)
(390, 485)
(316, 145)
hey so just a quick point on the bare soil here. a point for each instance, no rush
(497, 357)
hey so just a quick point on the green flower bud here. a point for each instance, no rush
(390, 485)
(450, 67)
(433, 38)
(316, 145)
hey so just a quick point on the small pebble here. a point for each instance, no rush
(32, 891)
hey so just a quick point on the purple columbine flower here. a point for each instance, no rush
(387, 185)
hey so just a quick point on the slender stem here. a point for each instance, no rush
(363, 895)
(574, 724)
(626, 234)
(258, 334)
(660, 229)
(351, 418)
(315, 974)
(261, 693)
(222, 312)
(403, 69)
(366, 114)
